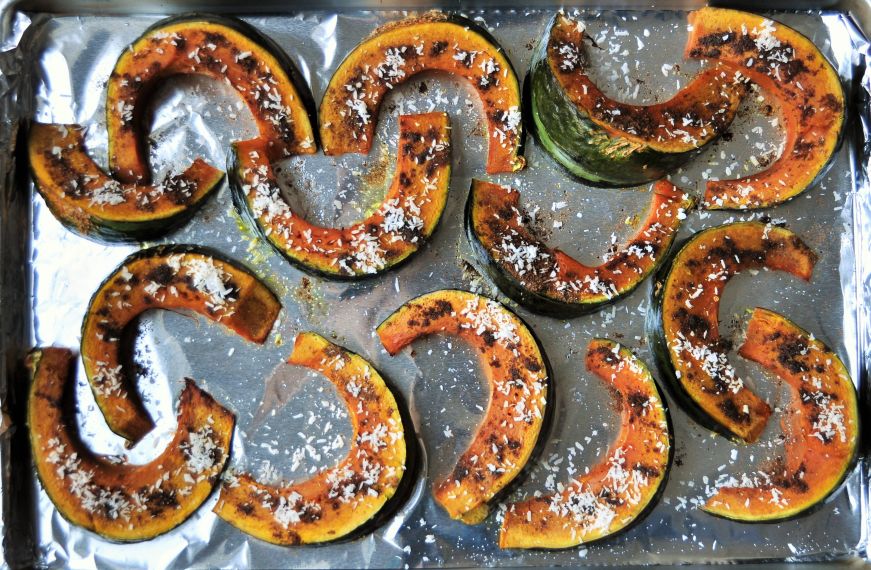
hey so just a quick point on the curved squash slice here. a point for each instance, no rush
(821, 424)
(402, 223)
(621, 489)
(219, 47)
(399, 50)
(518, 374)
(87, 201)
(107, 495)
(183, 278)
(348, 498)
(608, 143)
(683, 322)
(805, 86)
(548, 280)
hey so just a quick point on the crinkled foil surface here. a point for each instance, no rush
(291, 423)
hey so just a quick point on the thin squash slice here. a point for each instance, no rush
(345, 500)
(805, 86)
(683, 325)
(549, 281)
(396, 52)
(399, 226)
(618, 491)
(105, 494)
(178, 278)
(821, 425)
(517, 372)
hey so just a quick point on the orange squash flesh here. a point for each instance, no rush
(516, 370)
(807, 89)
(107, 495)
(617, 491)
(690, 300)
(339, 500)
(399, 50)
(821, 425)
(178, 278)
(400, 225)
(224, 49)
(89, 202)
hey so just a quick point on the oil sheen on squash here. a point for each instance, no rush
(619, 490)
(517, 372)
(341, 500)
(105, 494)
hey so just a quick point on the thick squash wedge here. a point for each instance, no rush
(806, 87)
(347, 499)
(517, 371)
(608, 143)
(549, 281)
(821, 425)
(219, 47)
(107, 495)
(177, 278)
(683, 325)
(619, 490)
(87, 201)
(399, 50)
(397, 228)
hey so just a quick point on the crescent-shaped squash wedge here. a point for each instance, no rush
(178, 278)
(609, 143)
(821, 425)
(397, 228)
(549, 281)
(399, 50)
(683, 322)
(517, 372)
(619, 490)
(345, 500)
(107, 495)
(219, 47)
(89, 202)
(806, 87)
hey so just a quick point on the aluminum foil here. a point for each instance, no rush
(289, 420)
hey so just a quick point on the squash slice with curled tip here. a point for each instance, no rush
(345, 500)
(176, 278)
(107, 495)
(517, 372)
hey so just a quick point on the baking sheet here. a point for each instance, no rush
(291, 422)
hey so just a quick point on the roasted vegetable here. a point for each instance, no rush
(115, 499)
(806, 89)
(344, 500)
(517, 372)
(619, 490)
(399, 50)
(180, 278)
(399, 226)
(608, 143)
(549, 281)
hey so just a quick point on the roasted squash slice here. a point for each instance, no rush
(219, 47)
(807, 90)
(622, 488)
(608, 143)
(180, 278)
(549, 281)
(400, 225)
(107, 495)
(399, 50)
(821, 425)
(346, 499)
(87, 201)
(518, 374)
(683, 320)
